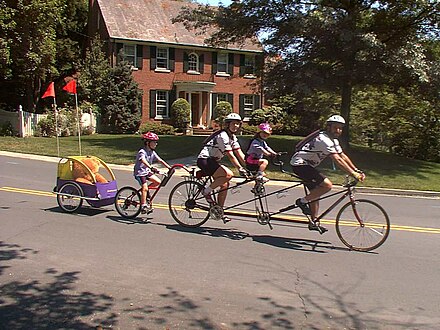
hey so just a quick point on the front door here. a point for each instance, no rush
(195, 109)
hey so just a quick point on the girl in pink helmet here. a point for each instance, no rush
(144, 172)
(258, 148)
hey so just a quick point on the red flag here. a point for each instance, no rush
(70, 87)
(50, 91)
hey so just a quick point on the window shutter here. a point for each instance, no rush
(139, 56)
(242, 65)
(172, 98)
(152, 103)
(259, 64)
(185, 62)
(152, 57)
(214, 62)
(230, 98)
(119, 46)
(214, 103)
(231, 63)
(171, 52)
(201, 63)
(257, 103)
(241, 109)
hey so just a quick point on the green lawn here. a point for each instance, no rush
(382, 169)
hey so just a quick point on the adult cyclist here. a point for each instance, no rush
(311, 154)
(224, 142)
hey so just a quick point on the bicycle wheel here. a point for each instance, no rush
(187, 205)
(69, 197)
(128, 202)
(363, 225)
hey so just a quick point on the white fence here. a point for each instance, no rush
(24, 123)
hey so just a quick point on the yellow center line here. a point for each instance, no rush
(291, 218)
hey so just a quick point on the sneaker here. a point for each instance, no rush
(146, 209)
(305, 208)
(226, 219)
(208, 197)
(316, 226)
(262, 179)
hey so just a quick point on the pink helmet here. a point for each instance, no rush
(150, 136)
(265, 127)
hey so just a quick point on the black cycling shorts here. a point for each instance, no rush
(208, 165)
(311, 176)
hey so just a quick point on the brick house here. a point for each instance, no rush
(169, 61)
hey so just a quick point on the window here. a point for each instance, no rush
(193, 62)
(222, 97)
(248, 105)
(162, 104)
(162, 58)
(130, 54)
(249, 64)
(222, 63)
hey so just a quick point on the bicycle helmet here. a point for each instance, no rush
(149, 136)
(232, 116)
(265, 127)
(336, 119)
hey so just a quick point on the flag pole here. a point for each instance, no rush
(78, 123)
(56, 126)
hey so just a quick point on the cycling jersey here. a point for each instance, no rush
(315, 151)
(219, 145)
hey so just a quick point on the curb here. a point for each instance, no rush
(365, 190)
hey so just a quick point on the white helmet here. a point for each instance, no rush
(232, 116)
(336, 119)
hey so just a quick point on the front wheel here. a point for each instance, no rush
(128, 202)
(362, 225)
(69, 197)
(187, 205)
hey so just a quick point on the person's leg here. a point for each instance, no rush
(262, 164)
(221, 177)
(323, 188)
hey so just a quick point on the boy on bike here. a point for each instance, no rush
(144, 172)
(310, 155)
(221, 143)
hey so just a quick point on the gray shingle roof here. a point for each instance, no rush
(150, 20)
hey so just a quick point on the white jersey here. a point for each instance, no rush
(219, 145)
(315, 151)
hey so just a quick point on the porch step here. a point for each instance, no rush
(201, 131)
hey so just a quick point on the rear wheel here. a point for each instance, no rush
(69, 197)
(363, 225)
(128, 202)
(187, 205)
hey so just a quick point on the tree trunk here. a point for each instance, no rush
(346, 92)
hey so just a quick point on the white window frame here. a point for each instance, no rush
(248, 105)
(130, 54)
(162, 104)
(222, 97)
(193, 63)
(222, 60)
(162, 61)
(249, 66)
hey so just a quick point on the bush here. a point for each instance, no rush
(222, 109)
(249, 129)
(67, 124)
(272, 114)
(180, 113)
(6, 129)
(160, 129)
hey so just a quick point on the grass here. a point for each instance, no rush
(383, 170)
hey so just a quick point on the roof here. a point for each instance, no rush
(150, 21)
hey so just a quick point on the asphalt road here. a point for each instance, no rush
(95, 269)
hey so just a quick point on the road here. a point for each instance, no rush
(94, 269)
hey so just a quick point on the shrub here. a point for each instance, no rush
(272, 114)
(161, 129)
(6, 129)
(221, 110)
(249, 129)
(67, 124)
(180, 113)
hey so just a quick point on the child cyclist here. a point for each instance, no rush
(258, 148)
(217, 145)
(144, 172)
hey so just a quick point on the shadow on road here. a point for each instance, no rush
(83, 211)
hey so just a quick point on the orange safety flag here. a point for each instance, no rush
(50, 91)
(70, 87)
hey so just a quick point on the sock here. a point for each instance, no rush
(304, 200)
(260, 173)
(208, 190)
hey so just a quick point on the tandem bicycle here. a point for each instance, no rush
(361, 224)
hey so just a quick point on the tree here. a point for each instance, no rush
(120, 106)
(181, 113)
(330, 45)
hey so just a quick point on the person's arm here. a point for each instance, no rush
(164, 163)
(345, 163)
(232, 157)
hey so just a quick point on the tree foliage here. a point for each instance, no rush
(180, 113)
(328, 45)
